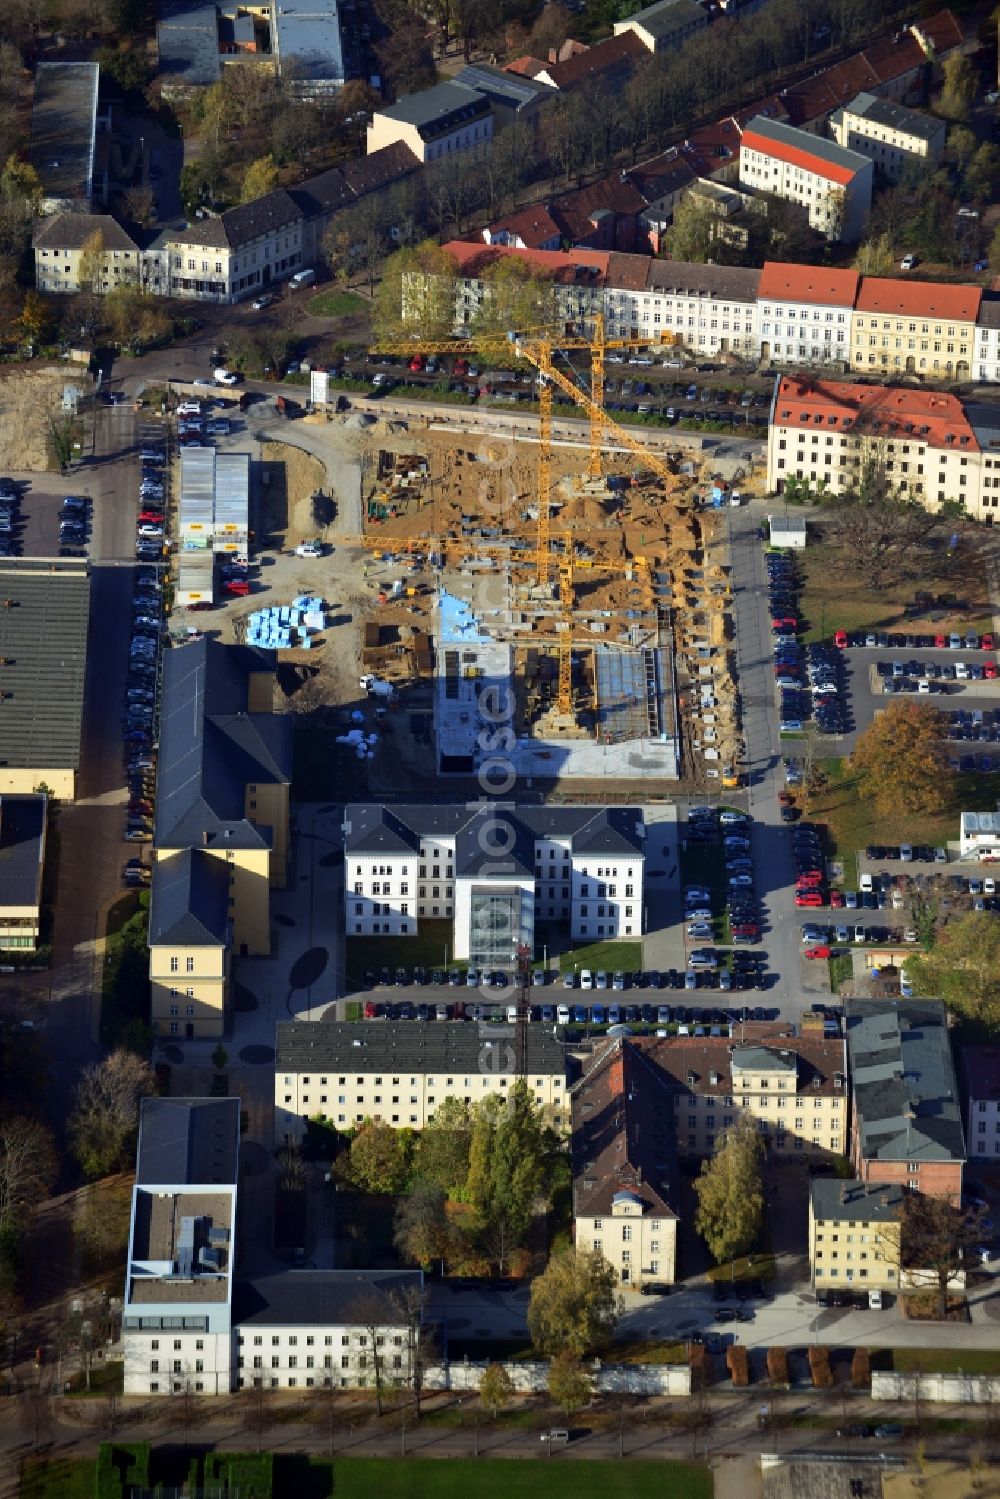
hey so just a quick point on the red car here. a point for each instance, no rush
(153, 516)
(840, 640)
(417, 363)
(785, 798)
(809, 878)
(987, 642)
(990, 670)
(461, 366)
(940, 642)
(786, 622)
(370, 1010)
(236, 590)
(836, 897)
(817, 952)
(808, 898)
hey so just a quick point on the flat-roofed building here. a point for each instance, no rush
(854, 1235)
(64, 134)
(979, 836)
(177, 1310)
(23, 821)
(925, 328)
(308, 45)
(44, 618)
(625, 1186)
(906, 1124)
(833, 185)
(893, 136)
(400, 1073)
(435, 122)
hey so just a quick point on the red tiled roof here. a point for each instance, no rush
(797, 156)
(613, 54)
(788, 282)
(919, 298)
(882, 62)
(943, 31)
(472, 258)
(623, 1135)
(930, 416)
(534, 226)
(575, 211)
(526, 67)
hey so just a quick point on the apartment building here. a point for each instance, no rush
(305, 1329)
(794, 1088)
(84, 252)
(177, 1321)
(23, 827)
(707, 309)
(240, 252)
(986, 355)
(922, 328)
(981, 1094)
(577, 278)
(804, 313)
(893, 136)
(854, 1235)
(625, 1189)
(399, 1073)
(931, 446)
(906, 1118)
(438, 121)
(832, 184)
(224, 774)
(665, 26)
(493, 874)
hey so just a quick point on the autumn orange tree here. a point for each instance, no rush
(900, 762)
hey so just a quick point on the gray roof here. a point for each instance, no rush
(667, 16)
(682, 278)
(70, 231)
(188, 1142)
(438, 110)
(211, 748)
(813, 145)
(894, 116)
(44, 613)
(985, 423)
(244, 223)
(764, 1059)
(189, 900)
(307, 35)
(22, 849)
(855, 1201)
(375, 828)
(64, 128)
(903, 1080)
(444, 1046)
(989, 310)
(187, 42)
(508, 90)
(326, 1298)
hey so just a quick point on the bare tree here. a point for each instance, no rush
(105, 1116)
(28, 1166)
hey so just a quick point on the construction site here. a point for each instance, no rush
(563, 603)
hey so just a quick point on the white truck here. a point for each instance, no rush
(375, 687)
(226, 377)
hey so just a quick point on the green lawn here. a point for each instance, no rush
(838, 596)
(431, 947)
(57, 1478)
(435, 1478)
(747, 1267)
(336, 304)
(946, 1360)
(841, 971)
(608, 956)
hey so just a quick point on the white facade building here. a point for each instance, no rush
(981, 1089)
(436, 122)
(979, 836)
(493, 874)
(832, 184)
(986, 348)
(707, 309)
(399, 1073)
(891, 135)
(177, 1311)
(804, 313)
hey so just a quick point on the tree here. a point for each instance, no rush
(690, 236)
(20, 180)
(260, 178)
(982, 175)
(935, 1237)
(508, 1168)
(882, 524)
(128, 66)
(574, 1304)
(875, 256)
(379, 1157)
(994, 250)
(900, 762)
(443, 1145)
(28, 1167)
(958, 87)
(102, 1126)
(730, 1193)
(90, 275)
(416, 295)
(420, 1225)
(138, 205)
(373, 1311)
(495, 1388)
(365, 227)
(961, 146)
(569, 1383)
(963, 967)
(134, 317)
(516, 294)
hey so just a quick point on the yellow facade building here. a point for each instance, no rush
(221, 839)
(854, 1235)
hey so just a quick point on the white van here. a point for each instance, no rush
(586, 979)
(302, 278)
